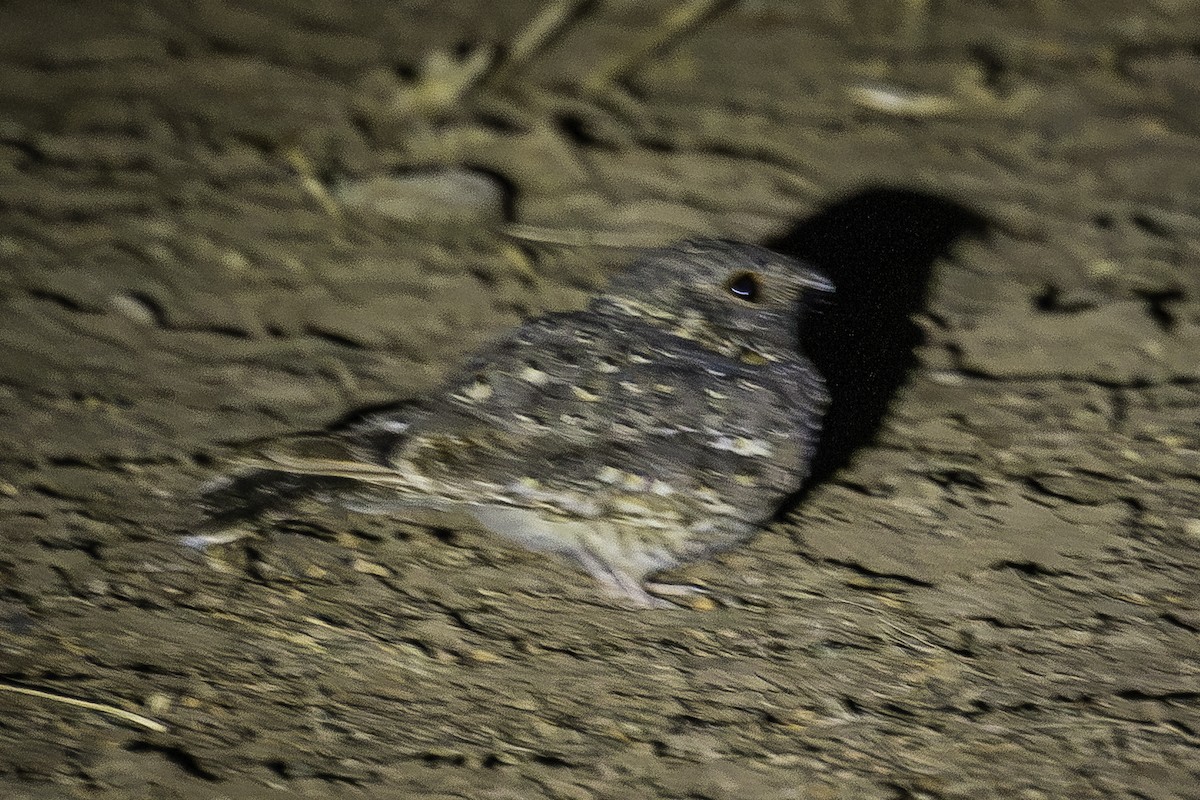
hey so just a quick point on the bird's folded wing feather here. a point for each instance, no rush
(574, 412)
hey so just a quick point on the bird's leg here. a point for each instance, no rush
(618, 582)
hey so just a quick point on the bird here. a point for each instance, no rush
(667, 421)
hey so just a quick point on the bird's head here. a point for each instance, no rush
(741, 300)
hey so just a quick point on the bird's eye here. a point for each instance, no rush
(745, 285)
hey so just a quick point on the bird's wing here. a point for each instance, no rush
(357, 450)
(340, 466)
(576, 415)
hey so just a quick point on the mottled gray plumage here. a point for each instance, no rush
(665, 422)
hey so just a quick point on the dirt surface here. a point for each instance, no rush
(212, 234)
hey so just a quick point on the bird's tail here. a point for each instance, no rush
(232, 501)
(342, 467)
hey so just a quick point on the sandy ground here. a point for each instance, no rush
(210, 235)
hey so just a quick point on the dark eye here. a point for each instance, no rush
(745, 285)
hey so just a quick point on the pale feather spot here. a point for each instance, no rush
(609, 474)
(634, 483)
(534, 375)
(661, 488)
(584, 395)
(629, 506)
(477, 392)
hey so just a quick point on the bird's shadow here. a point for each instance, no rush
(878, 247)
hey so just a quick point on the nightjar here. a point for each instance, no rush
(665, 422)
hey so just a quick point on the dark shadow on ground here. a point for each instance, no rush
(877, 247)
